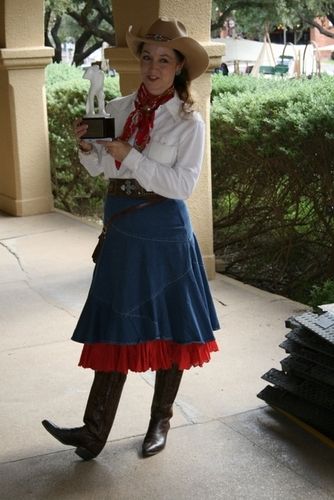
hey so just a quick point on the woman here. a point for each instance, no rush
(149, 306)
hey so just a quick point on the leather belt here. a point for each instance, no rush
(129, 188)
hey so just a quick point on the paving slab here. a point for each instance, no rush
(210, 461)
(288, 444)
(224, 443)
(43, 382)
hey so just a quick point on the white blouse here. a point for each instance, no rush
(170, 163)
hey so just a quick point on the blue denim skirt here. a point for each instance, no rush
(149, 285)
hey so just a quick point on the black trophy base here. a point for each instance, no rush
(99, 128)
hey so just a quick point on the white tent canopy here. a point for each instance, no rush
(250, 51)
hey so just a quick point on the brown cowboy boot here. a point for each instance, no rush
(101, 408)
(167, 383)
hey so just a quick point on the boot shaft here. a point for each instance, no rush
(99, 416)
(167, 383)
(103, 402)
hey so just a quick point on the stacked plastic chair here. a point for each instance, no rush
(304, 387)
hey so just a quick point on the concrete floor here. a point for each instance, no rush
(224, 444)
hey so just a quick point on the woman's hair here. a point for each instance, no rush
(181, 82)
(182, 85)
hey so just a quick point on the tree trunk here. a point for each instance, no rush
(79, 47)
(81, 56)
(57, 43)
(47, 16)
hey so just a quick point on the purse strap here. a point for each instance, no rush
(128, 210)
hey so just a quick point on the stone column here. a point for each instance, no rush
(25, 186)
(196, 15)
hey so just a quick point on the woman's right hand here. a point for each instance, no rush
(79, 129)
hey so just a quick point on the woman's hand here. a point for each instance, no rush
(79, 129)
(117, 149)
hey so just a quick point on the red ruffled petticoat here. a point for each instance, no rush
(154, 355)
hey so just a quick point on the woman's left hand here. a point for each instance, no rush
(117, 149)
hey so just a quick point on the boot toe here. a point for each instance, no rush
(153, 447)
(54, 430)
(87, 446)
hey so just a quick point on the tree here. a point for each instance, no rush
(252, 15)
(92, 20)
(53, 12)
(312, 12)
(93, 23)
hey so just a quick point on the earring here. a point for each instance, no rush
(177, 72)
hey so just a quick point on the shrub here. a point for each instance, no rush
(60, 73)
(236, 84)
(273, 181)
(322, 294)
(73, 188)
(272, 172)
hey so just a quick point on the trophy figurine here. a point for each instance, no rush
(100, 125)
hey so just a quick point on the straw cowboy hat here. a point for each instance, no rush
(172, 34)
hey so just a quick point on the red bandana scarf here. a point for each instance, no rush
(140, 121)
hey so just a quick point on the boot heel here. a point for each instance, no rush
(85, 454)
(165, 389)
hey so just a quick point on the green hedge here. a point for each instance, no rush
(272, 174)
(235, 84)
(273, 181)
(74, 189)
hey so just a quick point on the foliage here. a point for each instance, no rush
(73, 188)
(61, 73)
(237, 85)
(253, 17)
(272, 175)
(89, 22)
(322, 294)
(273, 180)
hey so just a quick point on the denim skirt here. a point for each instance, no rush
(149, 305)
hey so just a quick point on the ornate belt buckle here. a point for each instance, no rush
(128, 187)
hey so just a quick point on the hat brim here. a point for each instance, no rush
(196, 58)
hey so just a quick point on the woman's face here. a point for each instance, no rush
(158, 66)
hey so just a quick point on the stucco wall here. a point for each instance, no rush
(196, 15)
(24, 171)
(23, 23)
(25, 185)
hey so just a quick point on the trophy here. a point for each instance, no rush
(100, 125)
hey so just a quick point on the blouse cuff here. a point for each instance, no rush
(83, 155)
(132, 160)
(91, 162)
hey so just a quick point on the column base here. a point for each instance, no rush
(210, 266)
(20, 208)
